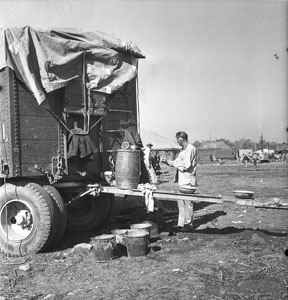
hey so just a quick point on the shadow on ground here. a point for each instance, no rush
(70, 239)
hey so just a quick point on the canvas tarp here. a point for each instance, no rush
(46, 60)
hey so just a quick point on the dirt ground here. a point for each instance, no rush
(235, 252)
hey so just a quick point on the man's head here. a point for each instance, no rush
(149, 145)
(182, 138)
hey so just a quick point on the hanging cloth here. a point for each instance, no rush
(81, 144)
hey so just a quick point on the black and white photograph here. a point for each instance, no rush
(143, 149)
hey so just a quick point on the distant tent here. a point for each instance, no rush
(159, 142)
(166, 147)
(212, 150)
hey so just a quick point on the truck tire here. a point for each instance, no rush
(26, 220)
(35, 187)
(61, 213)
(89, 213)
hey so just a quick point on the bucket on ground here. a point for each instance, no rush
(119, 235)
(154, 229)
(137, 242)
(145, 226)
(104, 246)
(121, 249)
(127, 169)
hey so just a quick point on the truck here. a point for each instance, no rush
(66, 97)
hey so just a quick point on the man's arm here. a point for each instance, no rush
(187, 161)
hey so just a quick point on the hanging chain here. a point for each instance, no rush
(52, 178)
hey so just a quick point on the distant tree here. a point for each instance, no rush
(273, 146)
(263, 144)
(227, 142)
(244, 144)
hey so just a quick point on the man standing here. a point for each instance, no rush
(148, 163)
(186, 164)
(156, 164)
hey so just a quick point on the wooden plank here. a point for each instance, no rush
(38, 151)
(120, 98)
(115, 131)
(119, 105)
(161, 195)
(170, 196)
(132, 98)
(116, 116)
(114, 125)
(123, 111)
(34, 169)
(28, 106)
(264, 203)
(40, 134)
(45, 122)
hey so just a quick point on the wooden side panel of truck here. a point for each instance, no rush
(32, 140)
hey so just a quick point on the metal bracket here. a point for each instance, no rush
(4, 168)
(93, 190)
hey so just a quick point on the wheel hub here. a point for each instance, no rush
(16, 220)
(23, 218)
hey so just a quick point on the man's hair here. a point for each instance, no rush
(182, 134)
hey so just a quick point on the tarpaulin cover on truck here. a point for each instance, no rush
(46, 60)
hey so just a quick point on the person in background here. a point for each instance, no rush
(255, 158)
(148, 163)
(186, 165)
(245, 159)
(156, 164)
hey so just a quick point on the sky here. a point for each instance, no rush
(213, 68)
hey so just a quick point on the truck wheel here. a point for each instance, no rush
(61, 213)
(89, 212)
(26, 220)
(34, 187)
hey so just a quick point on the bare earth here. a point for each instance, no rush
(235, 252)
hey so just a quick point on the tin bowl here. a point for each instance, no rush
(243, 194)
(187, 189)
